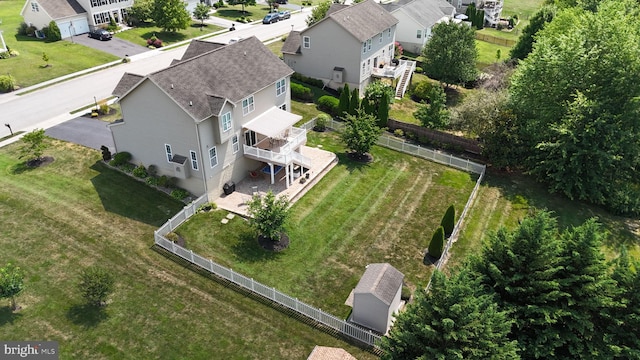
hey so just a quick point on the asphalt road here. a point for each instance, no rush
(45, 107)
(92, 133)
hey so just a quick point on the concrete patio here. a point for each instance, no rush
(321, 162)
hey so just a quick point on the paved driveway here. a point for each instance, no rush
(85, 131)
(115, 46)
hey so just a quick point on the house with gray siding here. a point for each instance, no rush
(212, 117)
(74, 17)
(416, 19)
(346, 47)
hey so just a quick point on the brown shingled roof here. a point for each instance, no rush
(58, 9)
(292, 44)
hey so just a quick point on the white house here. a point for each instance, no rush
(377, 297)
(349, 46)
(213, 117)
(416, 19)
(74, 17)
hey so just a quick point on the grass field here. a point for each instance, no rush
(385, 211)
(487, 53)
(75, 212)
(28, 68)
(233, 12)
(140, 34)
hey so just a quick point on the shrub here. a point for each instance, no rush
(121, 158)
(398, 132)
(436, 246)
(22, 29)
(140, 171)
(7, 83)
(152, 180)
(179, 193)
(321, 122)
(405, 293)
(163, 181)
(330, 104)
(301, 92)
(154, 41)
(419, 70)
(95, 285)
(307, 80)
(269, 214)
(152, 170)
(103, 108)
(5, 55)
(207, 207)
(106, 153)
(448, 221)
(421, 91)
(127, 167)
(171, 236)
(54, 32)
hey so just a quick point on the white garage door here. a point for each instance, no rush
(75, 27)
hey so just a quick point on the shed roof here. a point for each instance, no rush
(202, 83)
(381, 280)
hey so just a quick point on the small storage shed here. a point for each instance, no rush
(377, 297)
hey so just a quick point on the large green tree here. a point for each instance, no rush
(456, 319)
(575, 98)
(435, 114)
(243, 3)
(538, 21)
(171, 15)
(141, 11)
(522, 268)
(269, 214)
(360, 132)
(318, 12)
(450, 55)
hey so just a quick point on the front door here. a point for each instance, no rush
(250, 138)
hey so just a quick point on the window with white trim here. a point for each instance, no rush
(235, 144)
(364, 47)
(247, 105)
(227, 124)
(306, 42)
(419, 34)
(280, 87)
(380, 38)
(194, 160)
(363, 66)
(213, 157)
(369, 45)
(389, 32)
(167, 149)
(34, 7)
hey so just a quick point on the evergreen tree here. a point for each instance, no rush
(343, 106)
(54, 32)
(354, 102)
(525, 42)
(171, 15)
(383, 110)
(585, 278)
(449, 221)
(454, 320)
(436, 246)
(522, 268)
(626, 320)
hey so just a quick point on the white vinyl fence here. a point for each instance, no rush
(355, 332)
(315, 314)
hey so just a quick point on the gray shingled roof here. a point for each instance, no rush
(335, 7)
(425, 12)
(58, 9)
(198, 47)
(126, 83)
(381, 280)
(292, 44)
(201, 84)
(363, 20)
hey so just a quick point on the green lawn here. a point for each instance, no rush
(234, 12)
(28, 67)
(504, 199)
(358, 214)
(140, 34)
(75, 212)
(487, 53)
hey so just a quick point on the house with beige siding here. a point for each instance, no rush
(74, 17)
(416, 19)
(350, 45)
(212, 117)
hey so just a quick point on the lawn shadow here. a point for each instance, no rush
(87, 315)
(122, 195)
(248, 249)
(233, 13)
(352, 165)
(8, 316)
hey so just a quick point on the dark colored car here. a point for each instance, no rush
(100, 34)
(281, 1)
(282, 15)
(271, 18)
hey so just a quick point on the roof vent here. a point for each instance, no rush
(245, 53)
(172, 86)
(190, 103)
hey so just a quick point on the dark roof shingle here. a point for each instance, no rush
(126, 83)
(292, 44)
(58, 9)
(363, 20)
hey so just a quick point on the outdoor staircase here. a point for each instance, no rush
(405, 79)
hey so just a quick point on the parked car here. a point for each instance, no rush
(281, 1)
(282, 15)
(271, 18)
(100, 34)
